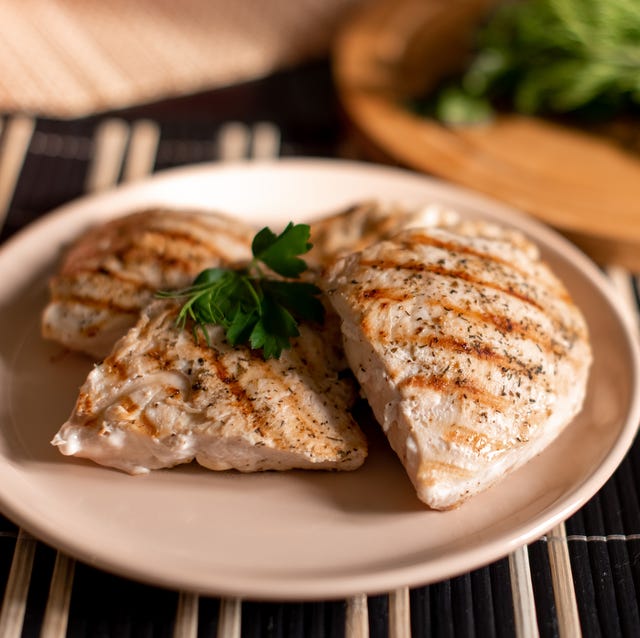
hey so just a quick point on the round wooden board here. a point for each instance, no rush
(587, 185)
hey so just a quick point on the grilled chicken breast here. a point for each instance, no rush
(469, 350)
(161, 399)
(365, 223)
(113, 271)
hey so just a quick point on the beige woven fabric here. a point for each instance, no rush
(66, 58)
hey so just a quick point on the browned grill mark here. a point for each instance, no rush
(436, 269)
(98, 304)
(385, 294)
(545, 342)
(447, 342)
(101, 274)
(187, 263)
(502, 323)
(477, 350)
(458, 386)
(222, 226)
(160, 357)
(95, 288)
(139, 240)
(506, 363)
(171, 224)
(171, 392)
(173, 236)
(476, 441)
(84, 404)
(453, 247)
(431, 472)
(146, 425)
(261, 412)
(289, 404)
(243, 401)
(129, 405)
(168, 246)
(117, 368)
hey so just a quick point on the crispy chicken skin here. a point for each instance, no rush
(111, 272)
(161, 399)
(469, 350)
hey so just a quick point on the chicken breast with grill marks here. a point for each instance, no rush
(365, 223)
(161, 399)
(112, 271)
(469, 350)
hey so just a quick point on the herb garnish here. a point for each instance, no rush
(252, 307)
(550, 57)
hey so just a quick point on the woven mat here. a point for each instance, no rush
(70, 58)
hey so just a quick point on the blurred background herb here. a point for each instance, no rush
(546, 57)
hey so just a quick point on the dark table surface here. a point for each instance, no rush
(533, 593)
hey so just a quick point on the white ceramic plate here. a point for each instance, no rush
(291, 535)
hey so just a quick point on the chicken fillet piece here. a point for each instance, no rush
(469, 350)
(367, 222)
(113, 271)
(161, 398)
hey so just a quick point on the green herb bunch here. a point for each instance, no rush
(551, 57)
(252, 305)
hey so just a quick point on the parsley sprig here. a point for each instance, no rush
(550, 57)
(252, 307)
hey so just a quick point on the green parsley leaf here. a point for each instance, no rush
(273, 330)
(253, 309)
(300, 298)
(280, 253)
(241, 325)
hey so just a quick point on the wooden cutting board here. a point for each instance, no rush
(584, 183)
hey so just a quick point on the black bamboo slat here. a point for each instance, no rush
(543, 590)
